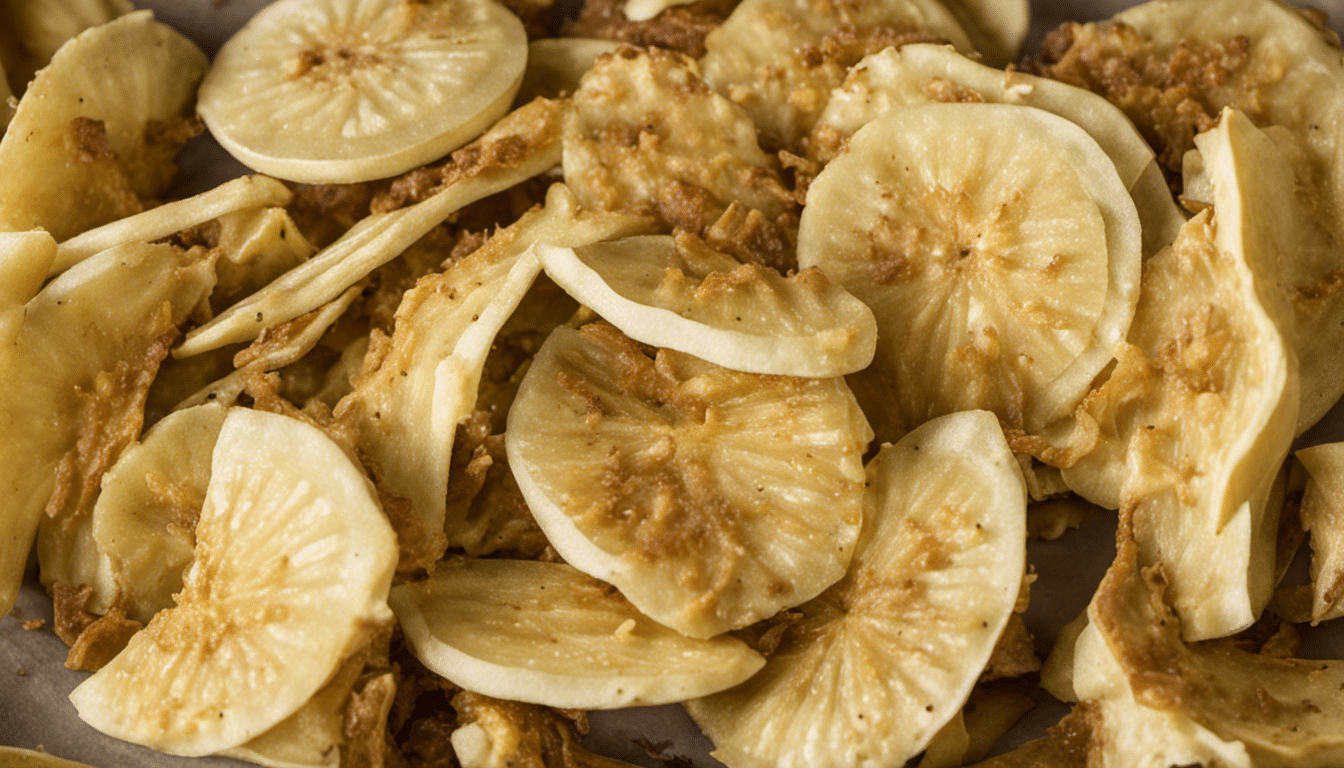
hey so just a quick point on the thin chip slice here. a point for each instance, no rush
(1173, 66)
(711, 498)
(546, 633)
(882, 660)
(108, 309)
(921, 73)
(24, 260)
(164, 220)
(996, 27)
(998, 249)
(96, 132)
(647, 132)
(1199, 412)
(680, 294)
(555, 65)
(1130, 734)
(327, 91)
(1279, 711)
(1323, 516)
(407, 405)
(317, 735)
(779, 59)
(293, 561)
(520, 146)
(144, 522)
(32, 31)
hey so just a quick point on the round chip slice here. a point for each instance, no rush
(681, 294)
(324, 91)
(882, 660)
(711, 498)
(779, 59)
(922, 73)
(998, 249)
(548, 634)
(95, 133)
(144, 521)
(293, 560)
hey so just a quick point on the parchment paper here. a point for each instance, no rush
(34, 710)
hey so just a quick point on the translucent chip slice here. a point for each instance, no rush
(922, 73)
(293, 561)
(327, 91)
(883, 659)
(681, 294)
(998, 249)
(95, 134)
(546, 633)
(711, 498)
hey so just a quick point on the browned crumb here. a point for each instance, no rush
(89, 137)
(846, 44)
(101, 640)
(529, 735)
(69, 610)
(367, 741)
(1014, 654)
(1170, 98)
(749, 236)
(323, 212)
(34, 624)
(484, 497)
(679, 28)
(110, 418)
(944, 90)
(765, 636)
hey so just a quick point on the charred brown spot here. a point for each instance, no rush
(679, 28)
(89, 139)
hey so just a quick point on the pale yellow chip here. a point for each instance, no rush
(779, 59)
(330, 91)
(998, 249)
(883, 660)
(711, 498)
(1198, 414)
(546, 633)
(109, 308)
(293, 561)
(680, 294)
(77, 153)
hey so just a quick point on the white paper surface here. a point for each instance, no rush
(34, 710)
